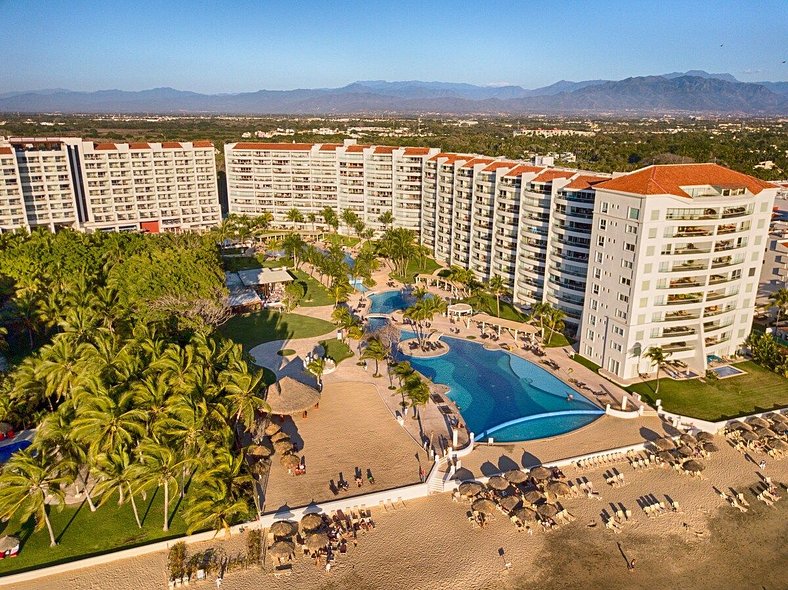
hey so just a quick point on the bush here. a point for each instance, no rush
(176, 561)
(254, 545)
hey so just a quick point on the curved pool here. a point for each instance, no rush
(388, 302)
(504, 396)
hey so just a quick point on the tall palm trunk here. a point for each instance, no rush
(656, 391)
(52, 541)
(134, 506)
(166, 526)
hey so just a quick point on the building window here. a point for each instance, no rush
(621, 314)
(603, 207)
(615, 346)
(633, 213)
(632, 229)
(597, 273)
(625, 281)
(592, 320)
(623, 298)
(603, 224)
(594, 304)
(613, 366)
(589, 351)
(626, 264)
(598, 257)
(629, 247)
(618, 330)
(590, 334)
(600, 241)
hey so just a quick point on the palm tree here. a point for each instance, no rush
(61, 366)
(330, 217)
(386, 219)
(780, 301)
(26, 310)
(215, 507)
(402, 371)
(340, 290)
(242, 394)
(106, 424)
(417, 391)
(115, 472)
(554, 322)
(497, 286)
(312, 217)
(658, 357)
(399, 246)
(30, 482)
(317, 366)
(295, 216)
(350, 218)
(375, 351)
(293, 246)
(158, 465)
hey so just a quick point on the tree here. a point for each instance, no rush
(115, 474)
(241, 392)
(158, 465)
(399, 246)
(330, 217)
(376, 351)
(30, 483)
(312, 218)
(295, 216)
(26, 309)
(106, 424)
(215, 507)
(549, 318)
(350, 218)
(293, 294)
(417, 391)
(658, 358)
(386, 219)
(293, 246)
(497, 286)
(317, 366)
(779, 301)
(340, 290)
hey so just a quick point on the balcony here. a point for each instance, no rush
(687, 231)
(690, 249)
(677, 331)
(685, 298)
(680, 316)
(676, 347)
(713, 327)
(686, 282)
(715, 295)
(715, 310)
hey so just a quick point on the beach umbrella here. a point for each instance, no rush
(765, 432)
(469, 489)
(533, 496)
(525, 515)
(688, 439)
(496, 482)
(685, 451)
(778, 418)
(665, 444)
(547, 510)
(693, 466)
(749, 436)
(283, 528)
(279, 436)
(509, 503)
(283, 447)
(281, 549)
(736, 425)
(778, 445)
(666, 456)
(9, 543)
(710, 447)
(759, 422)
(288, 397)
(558, 488)
(264, 450)
(289, 461)
(311, 522)
(484, 506)
(272, 429)
(316, 541)
(705, 437)
(516, 476)
(5, 427)
(540, 473)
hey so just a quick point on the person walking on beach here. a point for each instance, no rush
(631, 565)
(762, 465)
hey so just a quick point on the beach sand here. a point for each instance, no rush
(430, 544)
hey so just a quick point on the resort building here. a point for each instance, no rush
(68, 182)
(675, 259)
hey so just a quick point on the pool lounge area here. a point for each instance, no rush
(504, 396)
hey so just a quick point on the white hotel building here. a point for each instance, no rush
(67, 182)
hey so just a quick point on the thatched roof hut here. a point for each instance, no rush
(288, 397)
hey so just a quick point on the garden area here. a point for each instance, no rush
(265, 326)
(336, 350)
(417, 265)
(759, 390)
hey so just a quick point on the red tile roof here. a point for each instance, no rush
(330, 147)
(668, 179)
(202, 144)
(472, 162)
(6, 150)
(105, 146)
(249, 145)
(551, 174)
(356, 148)
(450, 158)
(499, 164)
(523, 169)
(582, 182)
(385, 149)
(171, 144)
(417, 151)
(139, 146)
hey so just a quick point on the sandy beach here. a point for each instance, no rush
(429, 543)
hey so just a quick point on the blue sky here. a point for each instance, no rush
(237, 46)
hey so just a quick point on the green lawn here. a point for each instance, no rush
(485, 303)
(557, 340)
(757, 391)
(264, 326)
(246, 262)
(81, 533)
(336, 349)
(586, 363)
(348, 241)
(316, 294)
(417, 266)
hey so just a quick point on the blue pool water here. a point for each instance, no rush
(6, 451)
(504, 396)
(358, 284)
(727, 371)
(376, 323)
(388, 302)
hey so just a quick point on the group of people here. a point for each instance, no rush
(342, 485)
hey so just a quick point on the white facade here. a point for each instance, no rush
(676, 253)
(67, 182)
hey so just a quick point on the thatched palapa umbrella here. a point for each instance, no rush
(516, 476)
(778, 445)
(263, 450)
(283, 528)
(279, 436)
(759, 422)
(705, 437)
(710, 447)
(282, 550)
(5, 428)
(750, 436)
(484, 506)
(776, 417)
(685, 451)
(665, 444)
(290, 461)
(9, 543)
(469, 489)
(533, 496)
(272, 429)
(497, 482)
(283, 447)
(547, 510)
(666, 456)
(316, 541)
(693, 466)
(688, 439)
(765, 432)
(288, 397)
(509, 503)
(737, 425)
(540, 473)
(311, 522)
(558, 488)
(525, 515)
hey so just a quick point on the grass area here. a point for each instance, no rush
(316, 294)
(557, 340)
(348, 241)
(485, 303)
(286, 352)
(586, 363)
(757, 391)
(235, 264)
(417, 266)
(264, 326)
(336, 349)
(81, 533)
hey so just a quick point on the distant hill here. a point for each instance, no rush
(692, 92)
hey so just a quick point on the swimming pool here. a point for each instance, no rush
(389, 302)
(727, 371)
(503, 396)
(6, 451)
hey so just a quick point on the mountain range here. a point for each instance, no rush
(695, 91)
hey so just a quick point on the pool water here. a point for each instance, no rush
(7, 450)
(388, 302)
(375, 323)
(727, 371)
(503, 396)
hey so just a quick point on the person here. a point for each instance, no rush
(762, 464)
(631, 565)
(421, 474)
